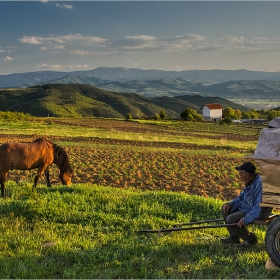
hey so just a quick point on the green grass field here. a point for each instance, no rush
(89, 231)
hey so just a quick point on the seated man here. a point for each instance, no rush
(245, 208)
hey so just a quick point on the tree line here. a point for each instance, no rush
(229, 114)
(15, 116)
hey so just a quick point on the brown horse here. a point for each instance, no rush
(39, 154)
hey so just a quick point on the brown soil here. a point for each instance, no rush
(119, 165)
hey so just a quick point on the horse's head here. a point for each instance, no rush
(65, 177)
(62, 162)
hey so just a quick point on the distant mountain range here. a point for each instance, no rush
(174, 87)
(229, 84)
(78, 100)
(120, 74)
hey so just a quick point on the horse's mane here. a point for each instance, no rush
(41, 140)
(62, 158)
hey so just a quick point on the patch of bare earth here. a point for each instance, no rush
(118, 166)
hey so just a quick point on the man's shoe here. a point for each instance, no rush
(231, 239)
(247, 243)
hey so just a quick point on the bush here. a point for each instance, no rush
(15, 116)
(128, 116)
(226, 120)
(191, 115)
(157, 117)
(162, 114)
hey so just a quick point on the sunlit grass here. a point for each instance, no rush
(90, 232)
(52, 129)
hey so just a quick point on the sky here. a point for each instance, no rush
(165, 35)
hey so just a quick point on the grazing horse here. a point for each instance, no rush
(39, 154)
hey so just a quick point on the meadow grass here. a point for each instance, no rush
(52, 129)
(207, 128)
(88, 231)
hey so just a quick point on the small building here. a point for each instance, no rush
(212, 112)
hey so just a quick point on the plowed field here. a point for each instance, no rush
(145, 165)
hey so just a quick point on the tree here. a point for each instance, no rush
(253, 114)
(128, 116)
(245, 115)
(273, 114)
(237, 114)
(157, 117)
(191, 115)
(162, 114)
(228, 112)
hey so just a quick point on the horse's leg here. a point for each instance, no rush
(3, 176)
(3, 189)
(38, 176)
(36, 179)
(47, 174)
(41, 170)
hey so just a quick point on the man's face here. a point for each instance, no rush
(245, 176)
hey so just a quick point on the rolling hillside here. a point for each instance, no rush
(253, 89)
(173, 87)
(84, 101)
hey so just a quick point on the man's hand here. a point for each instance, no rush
(226, 208)
(241, 223)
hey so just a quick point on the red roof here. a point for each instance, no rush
(213, 106)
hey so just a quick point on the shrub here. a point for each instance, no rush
(128, 116)
(191, 115)
(15, 116)
(157, 117)
(226, 120)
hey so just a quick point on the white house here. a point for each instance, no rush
(212, 112)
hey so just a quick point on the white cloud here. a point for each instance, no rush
(49, 66)
(260, 44)
(179, 43)
(141, 37)
(78, 44)
(80, 52)
(60, 42)
(135, 42)
(78, 38)
(79, 66)
(31, 40)
(64, 6)
(8, 58)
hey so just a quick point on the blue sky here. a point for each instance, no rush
(166, 35)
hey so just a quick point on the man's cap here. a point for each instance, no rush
(248, 167)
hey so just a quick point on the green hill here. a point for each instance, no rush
(78, 100)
